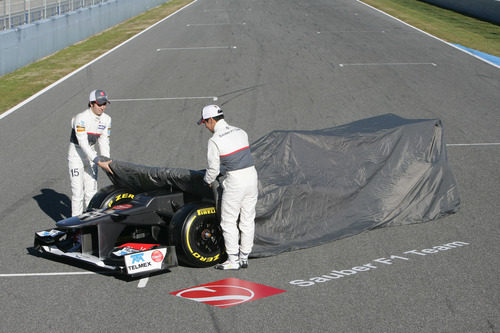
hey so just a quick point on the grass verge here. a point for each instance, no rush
(445, 24)
(28, 80)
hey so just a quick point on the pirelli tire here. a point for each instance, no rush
(195, 231)
(110, 196)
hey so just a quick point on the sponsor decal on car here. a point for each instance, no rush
(121, 197)
(228, 292)
(120, 207)
(50, 233)
(205, 259)
(91, 215)
(129, 248)
(139, 246)
(157, 256)
(206, 211)
(145, 261)
(124, 251)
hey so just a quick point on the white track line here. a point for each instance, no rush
(143, 282)
(195, 48)
(428, 34)
(18, 106)
(391, 64)
(211, 24)
(214, 98)
(472, 144)
(48, 274)
(224, 10)
(350, 31)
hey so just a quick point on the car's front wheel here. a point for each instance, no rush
(197, 236)
(110, 196)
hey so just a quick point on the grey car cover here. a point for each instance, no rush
(321, 185)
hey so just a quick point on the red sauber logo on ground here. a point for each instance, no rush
(227, 292)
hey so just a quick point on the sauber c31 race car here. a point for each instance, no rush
(148, 221)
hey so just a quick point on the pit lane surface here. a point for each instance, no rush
(278, 64)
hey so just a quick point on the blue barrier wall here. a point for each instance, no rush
(486, 10)
(31, 42)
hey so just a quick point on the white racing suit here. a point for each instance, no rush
(229, 148)
(87, 130)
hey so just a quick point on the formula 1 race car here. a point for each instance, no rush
(147, 221)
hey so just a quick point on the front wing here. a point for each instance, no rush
(131, 259)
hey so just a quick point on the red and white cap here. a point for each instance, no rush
(98, 96)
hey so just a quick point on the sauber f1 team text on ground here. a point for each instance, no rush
(407, 256)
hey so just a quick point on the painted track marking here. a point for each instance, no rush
(194, 48)
(391, 64)
(472, 144)
(214, 98)
(143, 282)
(211, 24)
(428, 34)
(49, 274)
(349, 31)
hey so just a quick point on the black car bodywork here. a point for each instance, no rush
(138, 229)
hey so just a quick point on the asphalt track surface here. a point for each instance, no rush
(273, 64)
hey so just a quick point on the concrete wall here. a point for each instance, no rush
(486, 10)
(31, 42)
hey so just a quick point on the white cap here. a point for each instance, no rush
(210, 111)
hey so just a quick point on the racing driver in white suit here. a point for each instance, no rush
(89, 128)
(228, 149)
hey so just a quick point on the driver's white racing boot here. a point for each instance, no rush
(232, 263)
(243, 260)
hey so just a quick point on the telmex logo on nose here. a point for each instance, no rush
(227, 292)
(137, 258)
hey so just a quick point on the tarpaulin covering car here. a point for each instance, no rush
(322, 185)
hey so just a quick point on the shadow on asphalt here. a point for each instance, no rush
(56, 205)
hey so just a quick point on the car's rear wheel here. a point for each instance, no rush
(110, 196)
(197, 236)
